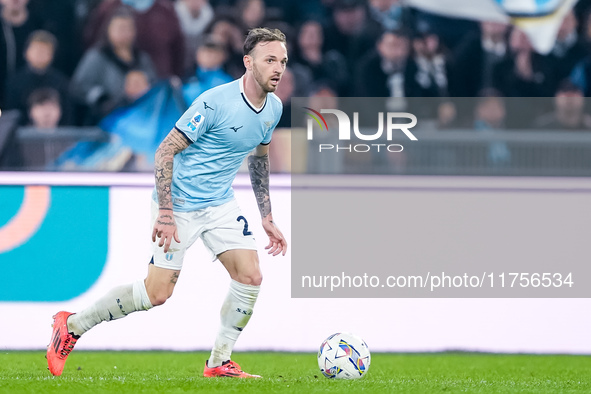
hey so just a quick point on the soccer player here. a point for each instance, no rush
(194, 169)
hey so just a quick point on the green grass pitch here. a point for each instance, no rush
(179, 372)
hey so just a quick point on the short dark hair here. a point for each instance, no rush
(401, 33)
(261, 34)
(212, 42)
(42, 36)
(42, 96)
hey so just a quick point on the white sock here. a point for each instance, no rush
(117, 303)
(235, 314)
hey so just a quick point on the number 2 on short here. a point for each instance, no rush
(245, 231)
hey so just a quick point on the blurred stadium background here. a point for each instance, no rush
(88, 88)
(89, 85)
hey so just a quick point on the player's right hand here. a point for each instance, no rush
(165, 229)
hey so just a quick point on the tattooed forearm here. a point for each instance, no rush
(172, 144)
(258, 166)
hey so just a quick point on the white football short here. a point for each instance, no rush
(221, 228)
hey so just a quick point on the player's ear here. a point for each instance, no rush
(247, 62)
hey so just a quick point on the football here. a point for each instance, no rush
(344, 356)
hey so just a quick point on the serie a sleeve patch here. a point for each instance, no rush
(195, 121)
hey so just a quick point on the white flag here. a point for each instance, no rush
(539, 19)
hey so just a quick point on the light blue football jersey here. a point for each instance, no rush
(223, 128)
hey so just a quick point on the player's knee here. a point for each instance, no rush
(253, 278)
(159, 297)
(257, 279)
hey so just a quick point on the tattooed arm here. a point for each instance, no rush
(258, 166)
(165, 226)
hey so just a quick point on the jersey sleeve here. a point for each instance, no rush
(195, 121)
(269, 135)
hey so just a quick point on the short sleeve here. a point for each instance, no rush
(269, 135)
(194, 122)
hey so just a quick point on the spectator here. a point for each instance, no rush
(429, 70)
(390, 14)
(351, 32)
(159, 32)
(328, 162)
(194, 17)
(568, 49)
(83, 11)
(251, 13)
(386, 72)
(38, 73)
(450, 30)
(524, 73)
(309, 52)
(210, 59)
(99, 79)
(44, 113)
(431, 66)
(136, 85)
(226, 30)
(490, 110)
(128, 111)
(447, 115)
(476, 57)
(44, 109)
(59, 19)
(568, 114)
(489, 117)
(16, 24)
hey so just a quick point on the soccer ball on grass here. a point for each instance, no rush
(343, 356)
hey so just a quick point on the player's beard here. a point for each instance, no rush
(265, 85)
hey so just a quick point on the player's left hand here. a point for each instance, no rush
(277, 242)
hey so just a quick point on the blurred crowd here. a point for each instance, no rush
(72, 62)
